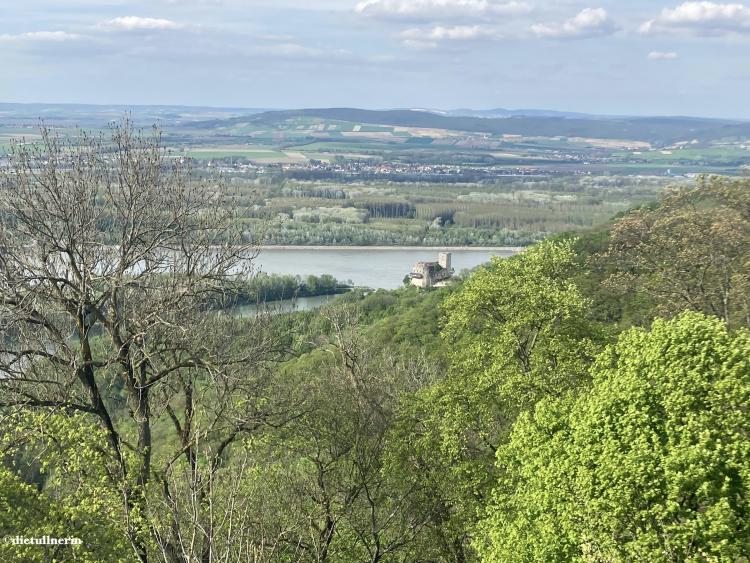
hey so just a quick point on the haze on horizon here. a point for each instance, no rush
(643, 58)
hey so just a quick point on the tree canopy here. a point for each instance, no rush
(691, 252)
(517, 331)
(652, 464)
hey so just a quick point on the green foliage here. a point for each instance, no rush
(532, 506)
(77, 501)
(515, 332)
(477, 421)
(653, 464)
(616, 309)
(519, 327)
(394, 233)
(319, 482)
(407, 323)
(263, 288)
(512, 211)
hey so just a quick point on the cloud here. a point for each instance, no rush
(297, 51)
(591, 22)
(418, 45)
(42, 36)
(435, 10)
(703, 18)
(663, 56)
(53, 45)
(440, 33)
(135, 23)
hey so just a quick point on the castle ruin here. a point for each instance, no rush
(432, 274)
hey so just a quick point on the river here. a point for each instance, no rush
(376, 267)
(285, 306)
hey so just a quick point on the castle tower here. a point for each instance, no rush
(444, 259)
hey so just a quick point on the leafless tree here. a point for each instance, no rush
(112, 257)
(341, 502)
(691, 252)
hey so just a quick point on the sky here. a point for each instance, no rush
(635, 57)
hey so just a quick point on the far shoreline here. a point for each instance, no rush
(515, 249)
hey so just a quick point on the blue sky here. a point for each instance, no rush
(634, 57)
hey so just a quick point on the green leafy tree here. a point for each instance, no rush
(515, 324)
(652, 465)
(77, 501)
(516, 332)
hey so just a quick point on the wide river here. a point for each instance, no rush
(376, 267)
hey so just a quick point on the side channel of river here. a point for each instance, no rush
(378, 268)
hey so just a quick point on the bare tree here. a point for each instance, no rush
(111, 258)
(339, 501)
(691, 252)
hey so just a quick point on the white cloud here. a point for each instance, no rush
(440, 33)
(435, 10)
(591, 22)
(297, 51)
(663, 56)
(419, 45)
(702, 18)
(42, 36)
(135, 23)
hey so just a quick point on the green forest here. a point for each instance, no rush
(503, 212)
(585, 400)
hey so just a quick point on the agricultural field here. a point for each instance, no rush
(324, 137)
(717, 154)
(331, 177)
(573, 146)
(259, 154)
(10, 135)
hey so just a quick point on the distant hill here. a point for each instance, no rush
(660, 131)
(656, 130)
(504, 113)
(89, 115)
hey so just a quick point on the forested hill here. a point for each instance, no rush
(657, 130)
(660, 131)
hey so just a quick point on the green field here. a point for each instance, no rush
(708, 155)
(214, 154)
